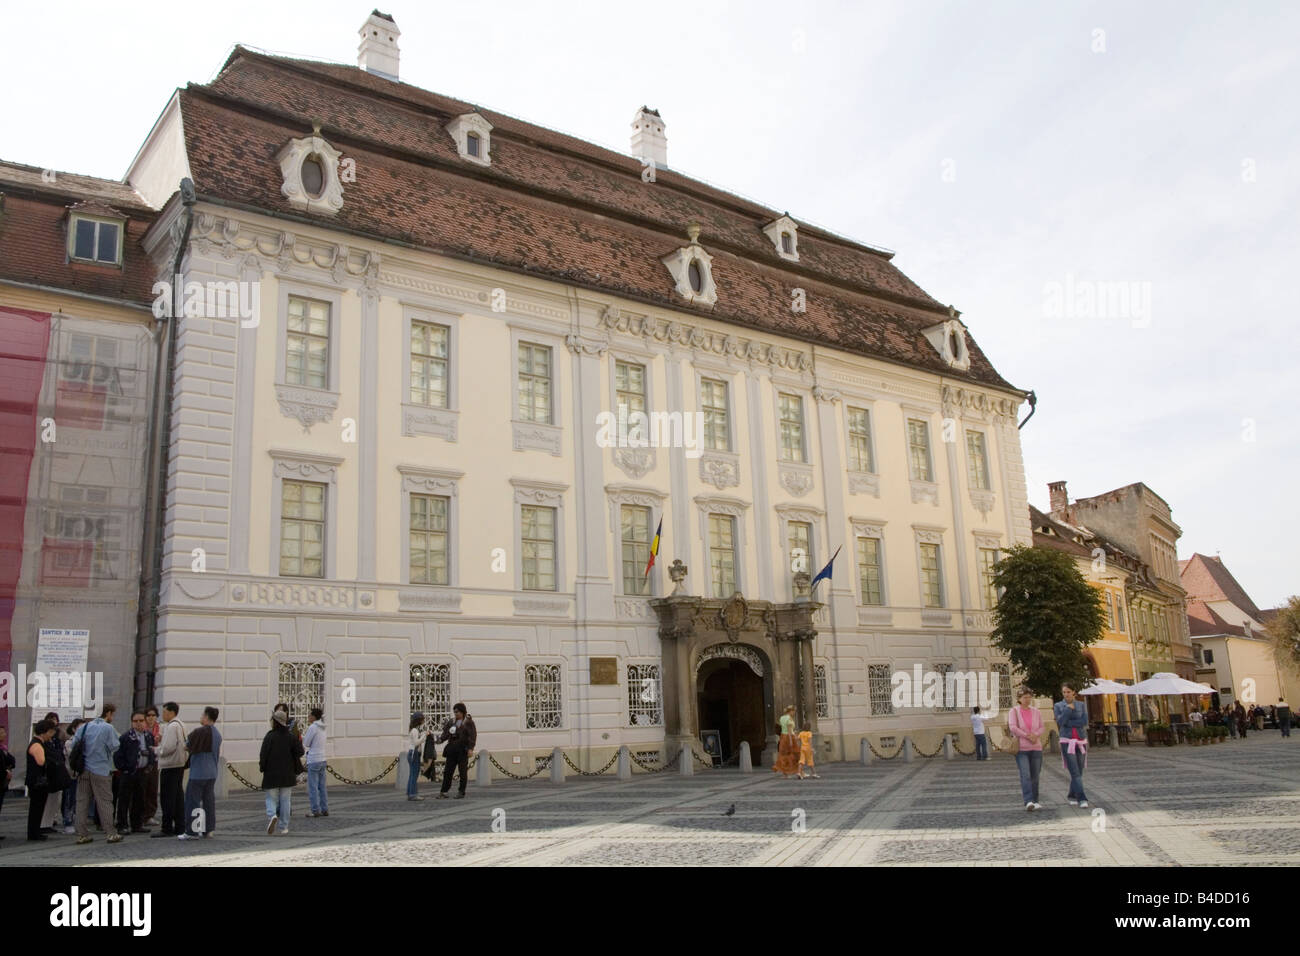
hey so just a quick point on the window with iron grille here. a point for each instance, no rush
(429, 364)
(629, 386)
(977, 455)
(713, 402)
(860, 457)
(644, 700)
(428, 534)
(635, 531)
(918, 450)
(870, 575)
(542, 697)
(819, 691)
(791, 408)
(1005, 691)
(538, 547)
(534, 383)
(948, 692)
(302, 529)
(302, 687)
(430, 693)
(880, 688)
(307, 343)
(722, 555)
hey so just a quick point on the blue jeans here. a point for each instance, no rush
(316, 787)
(277, 805)
(981, 747)
(1030, 764)
(1284, 724)
(412, 778)
(200, 794)
(1074, 763)
(69, 807)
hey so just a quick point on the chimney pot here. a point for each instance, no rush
(378, 53)
(648, 139)
(1060, 501)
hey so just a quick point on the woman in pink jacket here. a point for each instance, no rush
(1025, 723)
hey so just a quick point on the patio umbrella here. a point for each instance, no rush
(1103, 686)
(1167, 685)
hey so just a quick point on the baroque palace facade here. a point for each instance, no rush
(385, 486)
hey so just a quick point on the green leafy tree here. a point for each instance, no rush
(1046, 615)
(1284, 632)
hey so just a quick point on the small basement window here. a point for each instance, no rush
(95, 240)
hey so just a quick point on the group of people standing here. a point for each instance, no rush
(1239, 718)
(460, 736)
(794, 751)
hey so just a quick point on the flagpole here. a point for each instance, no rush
(835, 647)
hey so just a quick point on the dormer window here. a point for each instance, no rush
(313, 177)
(92, 239)
(692, 270)
(784, 233)
(473, 137)
(696, 276)
(310, 170)
(949, 340)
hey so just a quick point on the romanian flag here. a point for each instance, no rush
(826, 571)
(654, 547)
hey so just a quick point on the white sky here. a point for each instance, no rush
(987, 143)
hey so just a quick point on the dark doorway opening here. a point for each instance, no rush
(730, 699)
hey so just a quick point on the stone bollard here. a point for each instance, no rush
(624, 763)
(1113, 733)
(686, 764)
(746, 761)
(557, 765)
(907, 750)
(482, 769)
(947, 746)
(864, 752)
(403, 771)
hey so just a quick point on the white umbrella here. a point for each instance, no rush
(1166, 685)
(1101, 685)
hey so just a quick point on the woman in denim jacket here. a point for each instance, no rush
(1072, 724)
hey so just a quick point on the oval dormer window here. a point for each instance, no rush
(954, 346)
(695, 275)
(313, 176)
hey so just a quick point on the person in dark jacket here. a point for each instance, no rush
(133, 759)
(281, 751)
(461, 736)
(37, 777)
(7, 765)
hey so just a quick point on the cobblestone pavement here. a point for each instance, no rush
(1237, 802)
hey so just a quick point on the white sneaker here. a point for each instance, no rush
(1072, 802)
(270, 824)
(1083, 803)
(1037, 805)
(1030, 807)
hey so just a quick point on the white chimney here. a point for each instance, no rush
(377, 53)
(648, 139)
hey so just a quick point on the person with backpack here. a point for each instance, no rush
(91, 757)
(204, 746)
(171, 761)
(278, 761)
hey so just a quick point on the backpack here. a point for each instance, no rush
(77, 755)
(430, 748)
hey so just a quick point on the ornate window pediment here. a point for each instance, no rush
(310, 167)
(692, 270)
(473, 136)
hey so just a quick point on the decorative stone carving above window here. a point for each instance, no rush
(924, 491)
(692, 269)
(982, 500)
(310, 169)
(864, 483)
(796, 479)
(867, 528)
(620, 495)
(720, 469)
(429, 481)
(305, 465)
(949, 340)
(634, 462)
(473, 136)
(310, 406)
(784, 233)
(549, 494)
(928, 534)
(434, 422)
(537, 436)
(985, 540)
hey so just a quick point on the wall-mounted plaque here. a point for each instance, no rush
(604, 670)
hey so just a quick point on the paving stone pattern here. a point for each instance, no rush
(1237, 803)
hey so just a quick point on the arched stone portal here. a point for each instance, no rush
(733, 688)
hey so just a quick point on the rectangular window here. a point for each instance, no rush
(534, 383)
(635, 535)
(1003, 671)
(820, 693)
(799, 546)
(302, 687)
(96, 241)
(869, 570)
(429, 539)
(542, 701)
(918, 450)
(629, 387)
(1119, 613)
(302, 529)
(722, 555)
(1110, 611)
(644, 700)
(988, 557)
(713, 402)
(881, 690)
(860, 457)
(307, 343)
(1209, 657)
(537, 549)
(931, 576)
(979, 460)
(791, 409)
(429, 364)
(430, 693)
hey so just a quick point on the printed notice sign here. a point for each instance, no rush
(63, 651)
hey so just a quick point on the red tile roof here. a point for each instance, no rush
(1208, 579)
(549, 205)
(1202, 621)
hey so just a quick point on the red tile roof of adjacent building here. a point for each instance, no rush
(549, 205)
(34, 233)
(1203, 621)
(1208, 579)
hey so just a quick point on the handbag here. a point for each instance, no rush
(1012, 745)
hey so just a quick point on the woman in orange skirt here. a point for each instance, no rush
(787, 751)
